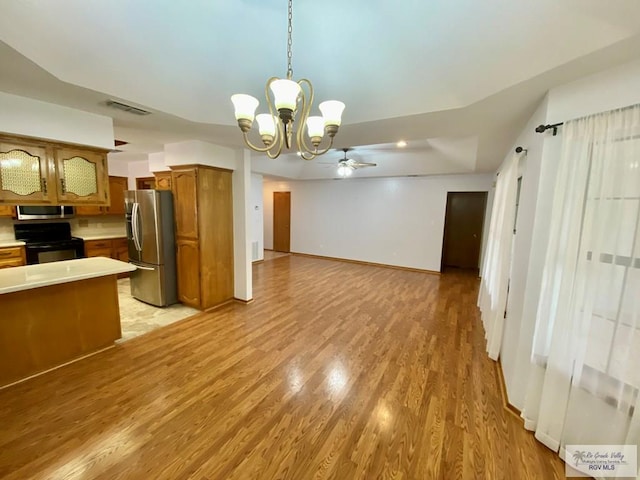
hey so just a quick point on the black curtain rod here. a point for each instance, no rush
(554, 126)
(544, 128)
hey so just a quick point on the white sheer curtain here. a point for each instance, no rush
(585, 373)
(492, 298)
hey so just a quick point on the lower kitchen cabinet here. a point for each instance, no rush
(116, 248)
(188, 260)
(12, 257)
(120, 249)
(98, 248)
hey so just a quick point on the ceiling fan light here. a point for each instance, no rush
(332, 112)
(315, 126)
(285, 93)
(266, 124)
(345, 170)
(245, 106)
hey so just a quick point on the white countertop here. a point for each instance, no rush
(11, 243)
(100, 236)
(16, 279)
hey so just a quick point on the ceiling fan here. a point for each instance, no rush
(346, 166)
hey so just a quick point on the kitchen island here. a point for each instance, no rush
(55, 313)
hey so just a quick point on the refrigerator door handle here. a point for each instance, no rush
(135, 226)
(141, 267)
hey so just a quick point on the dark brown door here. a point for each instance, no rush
(281, 221)
(463, 224)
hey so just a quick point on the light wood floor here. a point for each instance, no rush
(336, 371)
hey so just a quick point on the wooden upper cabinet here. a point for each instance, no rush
(81, 176)
(185, 198)
(7, 211)
(35, 171)
(117, 187)
(24, 174)
(163, 180)
(88, 210)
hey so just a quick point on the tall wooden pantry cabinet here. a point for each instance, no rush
(204, 234)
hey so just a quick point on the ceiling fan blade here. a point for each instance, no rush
(364, 164)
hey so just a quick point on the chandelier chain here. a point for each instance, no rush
(290, 41)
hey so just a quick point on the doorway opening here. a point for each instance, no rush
(282, 221)
(463, 225)
(146, 183)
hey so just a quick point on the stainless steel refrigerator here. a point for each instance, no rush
(150, 232)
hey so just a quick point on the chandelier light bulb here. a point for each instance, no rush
(245, 106)
(285, 93)
(266, 124)
(315, 129)
(332, 112)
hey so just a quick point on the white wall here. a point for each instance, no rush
(138, 169)
(157, 163)
(607, 90)
(25, 116)
(257, 217)
(117, 168)
(392, 221)
(614, 88)
(194, 152)
(242, 214)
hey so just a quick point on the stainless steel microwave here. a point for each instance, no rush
(44, 212)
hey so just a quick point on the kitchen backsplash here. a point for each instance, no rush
(95, 226)
(80, 226)
(6, 229)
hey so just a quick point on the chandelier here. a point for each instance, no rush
(289, 98)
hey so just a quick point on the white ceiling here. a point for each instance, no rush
(456, 78)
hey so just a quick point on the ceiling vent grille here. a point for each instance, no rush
(126, 108)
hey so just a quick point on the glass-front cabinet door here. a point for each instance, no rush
(24, 175)
(81, 176)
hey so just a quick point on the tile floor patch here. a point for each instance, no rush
(138, 318)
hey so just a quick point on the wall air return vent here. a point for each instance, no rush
(126, 108)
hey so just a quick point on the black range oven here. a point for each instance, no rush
(49, 242)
